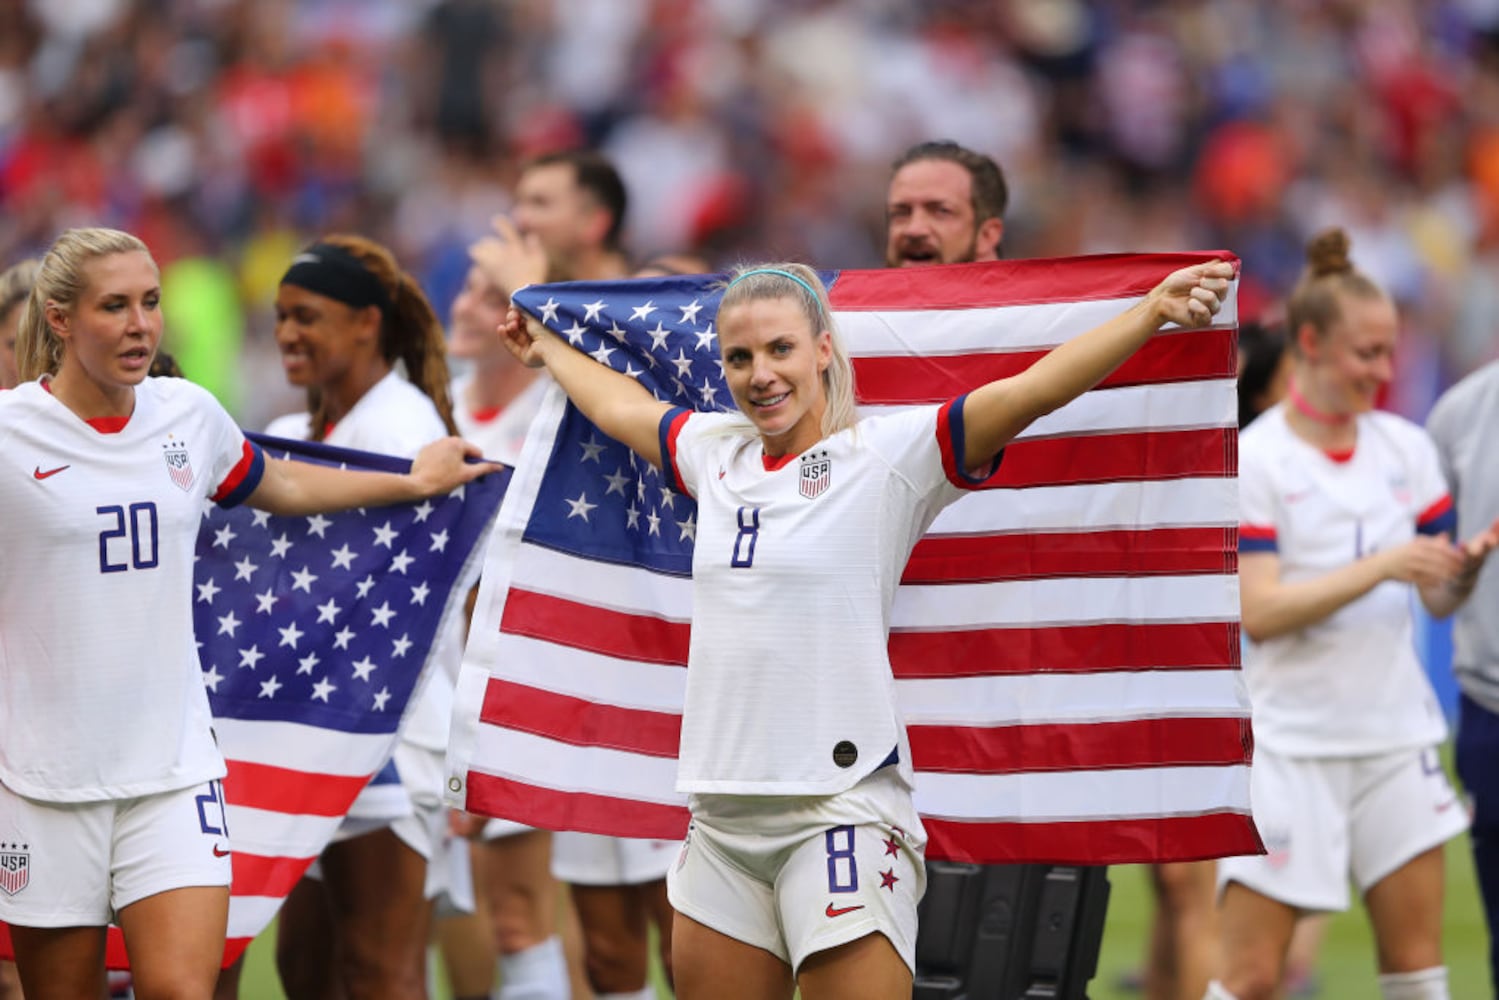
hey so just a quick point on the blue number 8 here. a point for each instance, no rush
(744, 542)
(836, 854)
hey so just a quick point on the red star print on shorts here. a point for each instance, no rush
(892, 846)
(888, 880)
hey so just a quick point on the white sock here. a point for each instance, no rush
(1423, 984)
(1217, 992)
(538, 973)
(646, 992)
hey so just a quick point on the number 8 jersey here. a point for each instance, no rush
(794, 569)
(101, 695)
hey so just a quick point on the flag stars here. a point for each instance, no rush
(400, 647)
(423, 511)
(658, 338)
(639, 313)
(592, 310)
(223, 537)
(683, 363)
(290, 635)
(439, 541)
(265, 601)
(363, 668)
(385, 535)
(632, 517)
(687, 529)
(705, 338)
(574, 334)
(250, 657)
(419, 593)
(306, 663)
(343, 557)
(303, 580)
(363, 587)
(211, 678)
(343, 637)
(381, 697)
(382, 615)
(668, 498)
(602, 354)
(580, 507)
(244, 569)
(708, 393)
(229, 624)
(616, 331)
(400, 561)
(690, 311)
(617, 482)
(549, 310)
(318, 525)
(655, 522)
(280, 546)
(592, 448)
(328, 611)
(268, 688)
(208, 591)
(261, 518)
(631, 371)
(322, 689)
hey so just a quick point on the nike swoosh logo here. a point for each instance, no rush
(50, 472)
(220, 852)
(838, 911)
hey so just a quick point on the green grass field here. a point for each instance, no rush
(1346, 968)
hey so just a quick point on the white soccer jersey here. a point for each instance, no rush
(1350, 684)
(101, 692)
(396, 418)
(500, 436)
(789, 689)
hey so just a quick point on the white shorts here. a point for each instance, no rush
(77, 864)
(589, 859)
(796, 875)
(1326, 819)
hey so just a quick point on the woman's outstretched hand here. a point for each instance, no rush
(444, 465)
(1192, 296)
(525, 336)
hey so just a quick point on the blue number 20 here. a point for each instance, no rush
(141, 527)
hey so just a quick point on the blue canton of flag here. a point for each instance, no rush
(328, 620)
(658, 331)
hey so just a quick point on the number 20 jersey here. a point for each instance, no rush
(789, 689)
(101, 695)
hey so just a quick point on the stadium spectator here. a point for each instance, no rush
(945, 205)
(15, 288)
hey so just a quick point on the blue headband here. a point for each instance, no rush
(784, 274)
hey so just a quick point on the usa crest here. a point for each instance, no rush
(179, 466)
(817, 473)
(15, 868)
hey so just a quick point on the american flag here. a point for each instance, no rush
(313, 632)
(1065, 642)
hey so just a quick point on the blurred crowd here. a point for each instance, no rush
(227, 132)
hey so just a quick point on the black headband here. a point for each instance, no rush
(331, 270)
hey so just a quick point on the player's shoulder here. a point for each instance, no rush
(1405, 435)
(1459, 400)
(178, 393)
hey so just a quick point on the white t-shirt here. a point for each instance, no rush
(1351, 683)
(396, 418)
(499, 436)
(101, 691)
(794, 570)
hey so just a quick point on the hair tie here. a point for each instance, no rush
(329, 269)
(775, 270)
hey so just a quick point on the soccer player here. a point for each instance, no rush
(803, 862)
(15, 288)
(359, 335)
(1462, 424)
(110, 804)
(945, 205)
(1344, 511)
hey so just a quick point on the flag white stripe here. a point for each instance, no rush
(581, 674)
(1074, 601)
(1034, 699)
(996, 330)
(1170, 503)
(537, 760)
(279, 834)
(1081, 795)
(291, 745)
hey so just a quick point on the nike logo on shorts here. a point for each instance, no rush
(39, 474)
(838, 911)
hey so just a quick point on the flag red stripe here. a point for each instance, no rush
(1081, 746)
(259, 875)
(1094, 842)
(934, 378)
(1023, 282)
(550, 809)
(580, 722)
(1030, 556)
(609, 633)
(1022, 650)
(1132, 456)
(279, 789)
